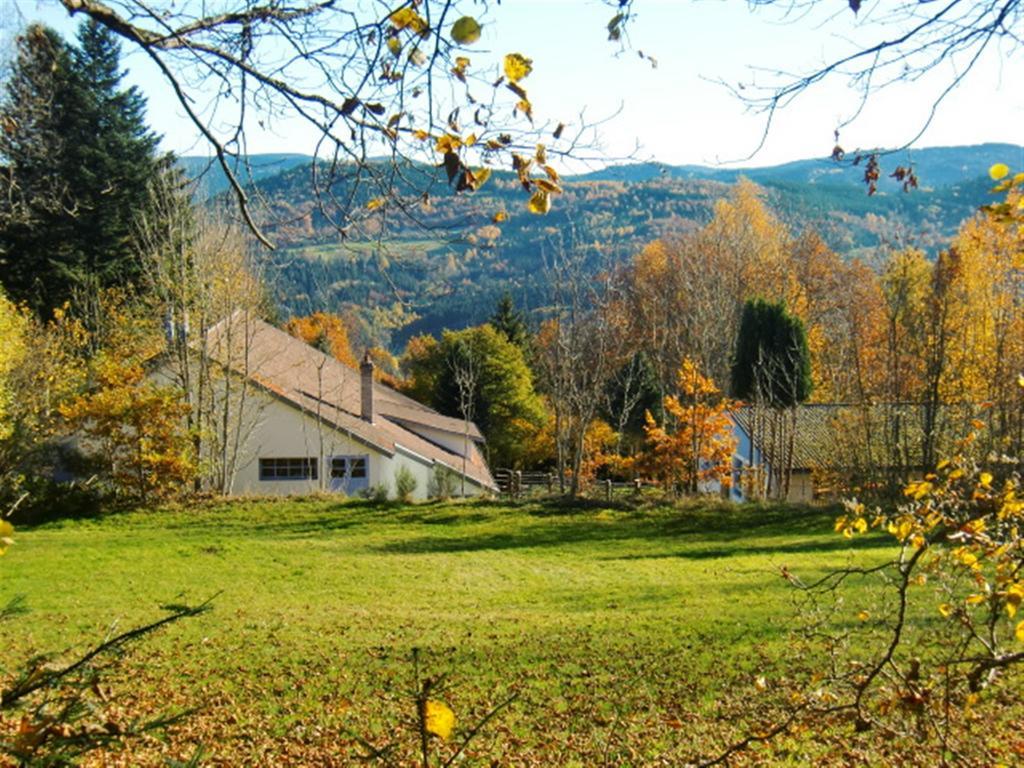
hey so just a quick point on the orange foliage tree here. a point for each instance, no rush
(326, 332)
(700, 446)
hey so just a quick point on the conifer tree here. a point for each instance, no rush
(85, 135)
(509, 321)
(772, 362)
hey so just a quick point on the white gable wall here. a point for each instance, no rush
(283, 431)
(450, 441)
(272, 428)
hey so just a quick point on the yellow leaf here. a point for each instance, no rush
(946, 610)
(541, 155)
(548, 186)
(1020, 632)
(760, 683)
(985, 480)
(500, 216)
(864, 615)
(540, 202)
(475, 179)
(6, 535)
(998, 171)
(440, 720)
(408, 18)
(1014, 597)
(395, 46)
(447, 143)
(420, 134)
(466, 31)
(461, 65)
(517, 67)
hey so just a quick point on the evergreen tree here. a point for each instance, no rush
(772, 362)
(35, 194)
(509, 321)
(101, 157)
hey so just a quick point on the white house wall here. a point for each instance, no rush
(284, 432)
(273, 428)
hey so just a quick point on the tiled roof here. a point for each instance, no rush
(887, 432)
(324, 387)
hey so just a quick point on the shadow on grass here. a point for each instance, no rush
(805, 546)
(736, 530)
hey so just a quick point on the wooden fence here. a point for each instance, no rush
(517, 484)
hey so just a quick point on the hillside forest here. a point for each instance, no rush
(619, 363)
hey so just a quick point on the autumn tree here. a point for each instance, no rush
(699, 447)
(326, 332)
(579, 349)
(199, 273)
(133, 427)
(686, 293)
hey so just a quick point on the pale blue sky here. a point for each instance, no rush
(673, 111)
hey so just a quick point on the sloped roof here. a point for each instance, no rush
(323, 386)
(884, 432)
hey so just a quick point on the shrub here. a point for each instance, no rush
(405, 484)
(378, 493)
(443, 483)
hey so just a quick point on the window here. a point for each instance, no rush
(288, 469)
(348, 466)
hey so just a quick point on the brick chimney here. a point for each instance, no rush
(366, 376)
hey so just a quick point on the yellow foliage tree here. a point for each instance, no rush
(133, 424)
(13, 344)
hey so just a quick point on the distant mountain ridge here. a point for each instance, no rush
(213, 181)
(936, 167)
(448, 270)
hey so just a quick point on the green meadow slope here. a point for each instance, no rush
(631, 637)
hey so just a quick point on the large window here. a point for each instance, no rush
(348, 466)
(289, 469)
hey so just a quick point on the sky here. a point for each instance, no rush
(677, 112)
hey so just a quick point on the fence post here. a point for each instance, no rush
(551, 483)
(519, 482)
(608, 489)
(636, 487)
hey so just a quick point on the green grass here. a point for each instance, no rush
(629, 635)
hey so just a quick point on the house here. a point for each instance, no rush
(301, 421)
(863, 443)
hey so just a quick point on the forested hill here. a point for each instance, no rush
(449, 272)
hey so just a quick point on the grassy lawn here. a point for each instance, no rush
(631, 637)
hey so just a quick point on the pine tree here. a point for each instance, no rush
(35, 194)
(99, 158)
(110, 158)
(509, 321)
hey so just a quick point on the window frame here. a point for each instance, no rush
(288, 468)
